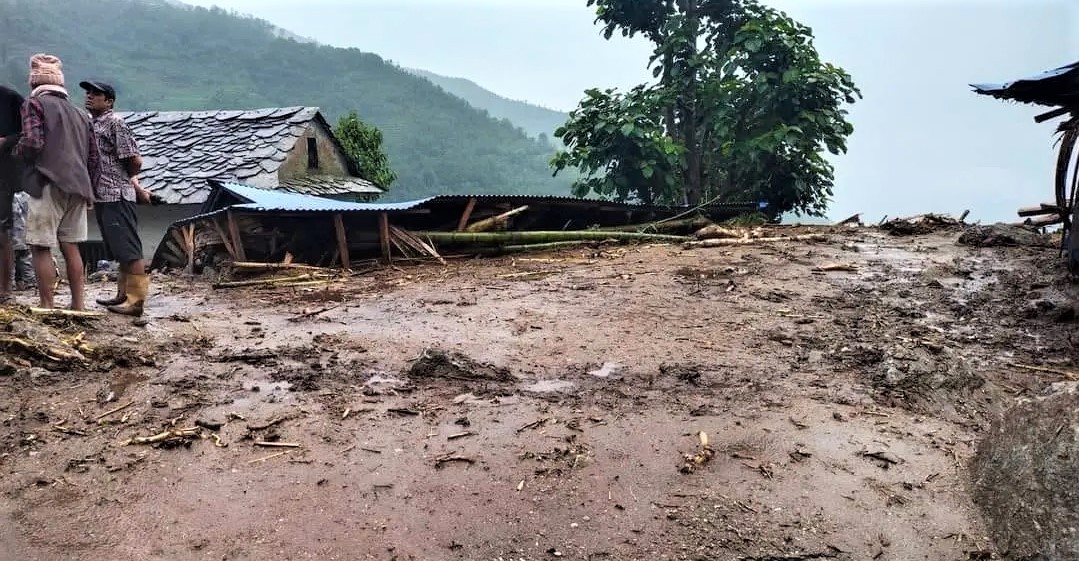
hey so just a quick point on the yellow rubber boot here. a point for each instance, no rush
(121, 292)
(137, 287)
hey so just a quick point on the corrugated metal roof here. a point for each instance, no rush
(265, 200)
(1059, 86)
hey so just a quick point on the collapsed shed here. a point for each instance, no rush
(244, 223)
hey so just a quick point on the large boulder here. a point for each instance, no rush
(1026, 477)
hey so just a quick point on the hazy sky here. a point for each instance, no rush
(922, 142)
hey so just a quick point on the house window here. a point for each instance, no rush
(312, 153)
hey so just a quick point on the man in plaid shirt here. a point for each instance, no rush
(117, 192)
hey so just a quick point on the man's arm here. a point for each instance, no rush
(127, 150)
(93, 159)
(32, 140)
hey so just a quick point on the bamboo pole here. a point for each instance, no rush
(692, 223)
(514, 238)
(254, 266)
(189, 244)
(224, 239)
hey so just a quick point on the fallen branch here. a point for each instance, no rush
(270, 457)
(266, 444)
(60, 312)
(264, 282)
(827, 267)
(751, 241)
(99, 418)
(439, 461)
(51, 353)
(169, 435)
(259, 267)
(307, 315)
(533, 237)
(1074, 376)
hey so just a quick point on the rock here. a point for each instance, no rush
(1024, 477)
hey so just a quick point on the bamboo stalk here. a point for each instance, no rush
(264, 282)
(515, 238)
(60, 312)
(692, 223)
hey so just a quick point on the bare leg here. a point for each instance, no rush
(76, 277)
(7, 264)
(46, 274)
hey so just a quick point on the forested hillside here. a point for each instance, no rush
(163, 56)
(538, 122)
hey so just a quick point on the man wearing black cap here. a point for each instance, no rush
(114, 201)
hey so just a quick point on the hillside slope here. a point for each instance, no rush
(535, 120)
(163, 56)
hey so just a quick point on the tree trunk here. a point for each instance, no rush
(689, 115)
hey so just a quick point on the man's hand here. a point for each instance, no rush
(142, 196)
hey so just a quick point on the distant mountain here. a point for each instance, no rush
(533, 119)
(165, 56)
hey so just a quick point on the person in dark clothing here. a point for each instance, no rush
(59, 149)
(10, 181)
(118, 191)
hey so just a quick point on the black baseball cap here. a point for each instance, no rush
(93, 86)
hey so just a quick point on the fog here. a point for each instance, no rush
(923, 141)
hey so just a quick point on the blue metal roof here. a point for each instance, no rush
(266, 200)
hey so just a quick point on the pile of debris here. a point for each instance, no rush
(50, 339)
(922, 224)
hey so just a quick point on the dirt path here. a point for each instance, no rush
(841, 407)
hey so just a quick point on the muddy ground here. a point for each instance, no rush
(546, 407)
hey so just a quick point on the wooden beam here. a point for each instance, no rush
(224, 239)
(237, 242)
(384, 236)
(466, 215)
(342, 241)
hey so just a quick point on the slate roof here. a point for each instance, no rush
(181, 150)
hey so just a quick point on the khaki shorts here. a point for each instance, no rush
(56, 216)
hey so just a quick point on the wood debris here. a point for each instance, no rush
(170, 437)
(704, 454)
(449, 458)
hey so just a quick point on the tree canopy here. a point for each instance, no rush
(743, 109)
(363, 143)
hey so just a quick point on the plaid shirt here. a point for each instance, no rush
(32, 141)
(116, 145)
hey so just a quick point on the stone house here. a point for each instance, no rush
(292, 149)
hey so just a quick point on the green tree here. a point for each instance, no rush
(363, 143)
(742, 98)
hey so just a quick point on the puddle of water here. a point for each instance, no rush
(549, 386)
(607, 370)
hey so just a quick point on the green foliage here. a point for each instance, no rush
(619, 146)
(363, 143)
(162, 56)
(743, 98)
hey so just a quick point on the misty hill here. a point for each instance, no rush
(163, 56)
(535, 120)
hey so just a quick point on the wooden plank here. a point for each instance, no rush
(384, 236)
(466, 215)
(237, 242)
(342, 241)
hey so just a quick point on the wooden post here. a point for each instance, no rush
(189, 240)
(466, 215)
(342, 242)
(237, 243)
(384, 236)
